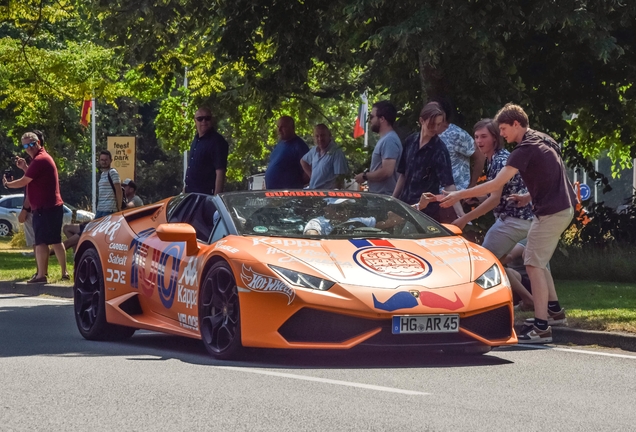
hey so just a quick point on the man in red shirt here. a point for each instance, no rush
(43, 190)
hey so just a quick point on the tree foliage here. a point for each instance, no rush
(569, 63)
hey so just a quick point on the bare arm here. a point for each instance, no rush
(340, 181)
(483, 208)
(118, 195)
(306, 168)
(493, 185)
(21, 182)
(220, 181)
(399, 185)
(385, 171)
(459, 210)
(478, 159)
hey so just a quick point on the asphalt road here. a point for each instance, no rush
(53, 379)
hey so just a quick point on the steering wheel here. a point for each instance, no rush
(348, 226)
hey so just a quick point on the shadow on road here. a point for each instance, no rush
(50, 330)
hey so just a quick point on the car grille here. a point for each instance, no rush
(313, 325)
(494, 324)
(316, 326)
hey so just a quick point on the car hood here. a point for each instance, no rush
(378, 263)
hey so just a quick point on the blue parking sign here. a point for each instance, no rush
(586, 192)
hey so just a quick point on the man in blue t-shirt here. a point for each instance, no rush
(284, 170)
(382, 175)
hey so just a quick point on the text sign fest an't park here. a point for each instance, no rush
(123, 150)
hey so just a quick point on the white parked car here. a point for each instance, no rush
(10, 206)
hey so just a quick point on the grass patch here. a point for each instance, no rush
(16, 267)
(596, 305)
(613, 264)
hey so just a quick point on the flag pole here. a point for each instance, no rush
(93, 151)
(366, 126)
(185, 114)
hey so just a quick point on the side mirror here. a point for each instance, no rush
(179, 232)
(453, 228)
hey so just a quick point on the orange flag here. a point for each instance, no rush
(86, 113)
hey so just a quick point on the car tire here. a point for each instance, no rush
(219, 312)
(5, 228)
(90, 304)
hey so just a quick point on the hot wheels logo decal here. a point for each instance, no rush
(263, 283)
(392, 263)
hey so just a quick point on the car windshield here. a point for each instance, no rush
(327, 214)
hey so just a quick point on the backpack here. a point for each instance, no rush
(124, 200)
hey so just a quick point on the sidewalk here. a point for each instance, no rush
(563, 335)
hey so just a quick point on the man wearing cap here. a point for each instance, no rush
(208, 157)
(43, 190)
(130, 190)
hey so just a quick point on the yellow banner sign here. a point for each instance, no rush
(123, 150)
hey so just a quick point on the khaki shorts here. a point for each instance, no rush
(544, 236)
(505, 234)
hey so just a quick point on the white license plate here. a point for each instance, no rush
(405, 324)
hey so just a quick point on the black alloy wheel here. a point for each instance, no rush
(89, 299)
(219, 312)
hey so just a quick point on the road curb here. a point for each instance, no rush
(65, 291)
(624, 341)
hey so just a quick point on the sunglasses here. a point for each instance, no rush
(27, 145)
(203, 118)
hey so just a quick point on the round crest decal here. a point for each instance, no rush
(392, 263)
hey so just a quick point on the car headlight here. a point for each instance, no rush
(491, 278)
(302, 279)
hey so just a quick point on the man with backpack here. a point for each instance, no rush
(111, 195)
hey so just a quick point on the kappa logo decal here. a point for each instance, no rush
(267, 284)
(190, 274)
(392, 263)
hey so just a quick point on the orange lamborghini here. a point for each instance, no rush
(290, 269)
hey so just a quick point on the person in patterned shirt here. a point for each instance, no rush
(425, 166)
(512, 223)
(467, 163)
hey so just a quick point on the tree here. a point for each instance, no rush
(554, 58)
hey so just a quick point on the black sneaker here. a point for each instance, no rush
(532, 335)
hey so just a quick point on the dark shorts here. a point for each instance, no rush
(525, 281)
(81, 227)
(47, 225)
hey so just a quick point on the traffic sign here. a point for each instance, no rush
(586, 192)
